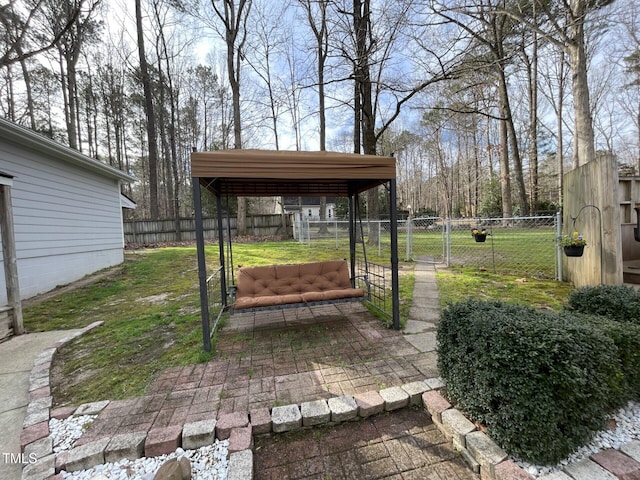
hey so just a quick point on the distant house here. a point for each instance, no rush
(67, 211)
(308, 207)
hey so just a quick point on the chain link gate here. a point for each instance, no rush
(524, 246)
(426, 239)
(518, 246)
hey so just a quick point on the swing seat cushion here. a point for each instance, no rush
(299, 283)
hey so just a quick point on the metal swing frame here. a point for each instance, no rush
(268, 173)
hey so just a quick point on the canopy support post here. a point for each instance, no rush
(223, 273)
(202, 266)
(395, 283)
(352, 236)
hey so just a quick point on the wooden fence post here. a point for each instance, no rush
(9, 256)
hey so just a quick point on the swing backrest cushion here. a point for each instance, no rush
(298, 283)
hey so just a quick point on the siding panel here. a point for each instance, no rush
(68, 220)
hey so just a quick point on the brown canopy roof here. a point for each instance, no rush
(279, 172)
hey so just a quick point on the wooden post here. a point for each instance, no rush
(9, 256)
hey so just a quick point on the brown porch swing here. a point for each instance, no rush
(256, 173)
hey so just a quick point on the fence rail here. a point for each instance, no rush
(158, 231)
(214, 296)
(520, 245)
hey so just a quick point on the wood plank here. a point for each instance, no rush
(5, 323)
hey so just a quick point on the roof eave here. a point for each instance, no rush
(11, 132)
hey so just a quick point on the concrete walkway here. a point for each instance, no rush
(425, 310)
(16, 360)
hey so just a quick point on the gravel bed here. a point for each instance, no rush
(207, 463)
(627, 428)
(65, 432)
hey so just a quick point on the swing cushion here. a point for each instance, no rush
(298, 283)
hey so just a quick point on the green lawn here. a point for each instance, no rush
(150, 306)
(458, 283)
(513, 250)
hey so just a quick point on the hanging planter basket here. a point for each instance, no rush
(480, 237)
(573, 250)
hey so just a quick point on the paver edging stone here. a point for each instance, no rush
(40, 406)
(483, 455)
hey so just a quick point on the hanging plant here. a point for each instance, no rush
(573, 245)
(479, 235)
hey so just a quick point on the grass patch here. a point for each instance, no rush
(151, 309)
(462, 283)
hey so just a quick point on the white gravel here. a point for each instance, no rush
(627, 429)
(65, 432)
(207, 463)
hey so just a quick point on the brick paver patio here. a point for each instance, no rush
(274, 358)
(401, 445)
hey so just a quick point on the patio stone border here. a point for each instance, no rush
(34, 439)
(481, 453)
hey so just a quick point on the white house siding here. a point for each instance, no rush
(68, 219)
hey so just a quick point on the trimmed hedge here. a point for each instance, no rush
(540, 382)
(619, 302)
(626, 336)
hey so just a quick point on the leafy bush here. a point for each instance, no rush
(626, 336)
(541, 383)
(618, 302)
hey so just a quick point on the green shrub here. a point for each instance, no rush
(541, 383)
(618, 302)
(626, 336)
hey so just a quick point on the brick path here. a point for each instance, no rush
(280, 357)
(402, 445)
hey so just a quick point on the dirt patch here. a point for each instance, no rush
(154, 299)
(78, 373)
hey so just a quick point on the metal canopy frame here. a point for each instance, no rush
(288, 173)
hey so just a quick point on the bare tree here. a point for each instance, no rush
(374, 45)
(24, 26)
(316, 13)
(631, 22)
(264, 47)
(554, 79)
(234, 15)
(150, 116)
(563, 23)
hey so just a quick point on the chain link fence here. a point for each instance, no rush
(524, 246)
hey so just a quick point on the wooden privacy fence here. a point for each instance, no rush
(158, 231)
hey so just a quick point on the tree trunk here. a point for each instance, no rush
(507, 119)
(27, 84)
(533, 123)
(234, 22)
(321, 56)
(362, 29)
(505, 176)
(11, 107)
(584, 150)
(151, 123)
(560, 142)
